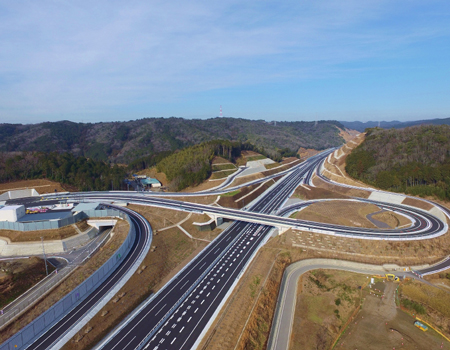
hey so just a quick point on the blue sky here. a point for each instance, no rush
(273, 60)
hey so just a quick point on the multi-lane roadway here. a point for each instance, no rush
(178, 315)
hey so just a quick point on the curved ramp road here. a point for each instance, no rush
(126, 268)
(281, 329)
(179, 314)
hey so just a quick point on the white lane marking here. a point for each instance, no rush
(181, 330)
(196, 310)
(130, 341)
(172, 341)
(202, 265)
(161, 309)
(189, 318)
(202, 301)
(207, 295)
(213, 287)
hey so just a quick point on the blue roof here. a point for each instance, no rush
(149, 181)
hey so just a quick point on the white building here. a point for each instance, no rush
(12, 213)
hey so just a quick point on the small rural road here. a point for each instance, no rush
(280, 333)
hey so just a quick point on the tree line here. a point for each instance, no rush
(414, 160)
(83, 173)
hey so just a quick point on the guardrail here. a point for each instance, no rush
(38, 326)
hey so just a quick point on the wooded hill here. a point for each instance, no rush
(79, 172)
(414, 160)
(125, 142)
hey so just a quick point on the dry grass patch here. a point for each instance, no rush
(372, 252)
(435, 301)
(206, 185)
(339, 213)
(83, 225)
(79, 275)
(203, 199)
(325, 301)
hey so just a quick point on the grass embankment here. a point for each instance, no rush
(271, 165)
(260, 157)
(222, 174)
(79, 275)
(220, 167)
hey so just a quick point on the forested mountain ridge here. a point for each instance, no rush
(414, 160)
(361, 126)
(123, 142)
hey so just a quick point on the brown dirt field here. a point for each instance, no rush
(30, 236)
(196, 199)
(435, 299)
(40, 185)
(220, 160)
(348, 214)
(381, 325)
(173, 251)
(79, 275)
(325, 301)
(339, 213)
(19, 275)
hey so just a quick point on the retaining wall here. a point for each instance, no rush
(36, 328)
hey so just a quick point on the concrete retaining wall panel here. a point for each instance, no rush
(16, 342)
(27, 333)
(39, 325)
(66, 303)
(49, 317)
(58, 309)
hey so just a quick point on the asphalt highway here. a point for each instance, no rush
(66, 323)
(178, 314)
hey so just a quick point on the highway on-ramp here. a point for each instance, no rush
(143, 236)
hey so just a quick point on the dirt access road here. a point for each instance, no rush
(381, 325)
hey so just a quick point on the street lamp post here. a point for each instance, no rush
(45, 257)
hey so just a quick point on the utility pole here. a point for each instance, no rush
(45, 257)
